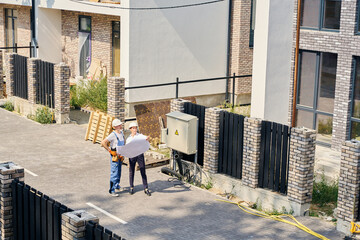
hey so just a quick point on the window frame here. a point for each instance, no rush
(321, 19)
(79, 27)
(13, 19)
(252, 32)
(353, 75)
(312, 109)
(357, 27)
(112, 44)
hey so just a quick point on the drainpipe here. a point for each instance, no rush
(228, 53)
(33, 28)
(296, 63)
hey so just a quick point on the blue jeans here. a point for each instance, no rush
(115, 174)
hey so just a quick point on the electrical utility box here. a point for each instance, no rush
(182, 132)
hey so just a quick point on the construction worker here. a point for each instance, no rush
(116, 138)
(139, 159)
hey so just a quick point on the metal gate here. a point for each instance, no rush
(231, 142)
(274, 156)
(20, 77)
(45, 86)
(35, 215)
(198, 111)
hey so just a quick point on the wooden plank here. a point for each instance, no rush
(262, 155)
(221, 143)
(284, 160)
(96, 130)
(240, 146)
(89, 126)
(267, 154)
(234, 144)
(278, 156)
(106, 127)
(273, 153)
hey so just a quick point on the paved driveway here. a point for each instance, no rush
(76, 173)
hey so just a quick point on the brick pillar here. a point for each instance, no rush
(116, 97)
(251, 152)
(73, 224)
(62, 92)
(177, 105)
(8, 172)
(9, 73)
(211, 139)
(1, 75)
(301, 168)
(32, 79)
(349, 185)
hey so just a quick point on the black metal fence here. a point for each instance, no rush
(274, 156)
(45, 86)
(95, 231)
(198, 111)
(20, 77)
(231, 140)
(35, 215)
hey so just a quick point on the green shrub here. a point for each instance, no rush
(92, 93)
(325, 126)
(43, 115)
(325, 192)
(8, 106)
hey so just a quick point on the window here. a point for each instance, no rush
(84, 45)
(116, 49)
(316, 92)
(320, 14)
(355, 113)
(11, 28)
(252, 23)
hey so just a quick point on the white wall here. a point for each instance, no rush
(272, 60)
(189, 43)
(49, 35)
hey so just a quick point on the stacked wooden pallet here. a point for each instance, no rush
(99, 127)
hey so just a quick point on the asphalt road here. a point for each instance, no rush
(76, 172)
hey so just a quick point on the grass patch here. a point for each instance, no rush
(242, 110)
(92, 93)
(8, 106)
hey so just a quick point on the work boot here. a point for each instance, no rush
(147, 192)
(114, 194)
(131, 191)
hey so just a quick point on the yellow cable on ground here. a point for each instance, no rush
(355, 228)
(277, 218)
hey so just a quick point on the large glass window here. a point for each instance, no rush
(116, 48)
(11, 28)
(355, 115)
(252, 23)
(84, 45)
(321, 14)
(316, 92)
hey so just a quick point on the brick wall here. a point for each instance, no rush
(9, 73)
(101, 39)
(1, 75)
(32, 79)
(344, 43)
(116, 97)
(241, 56)
(62, 92)
(23, 29)
(73, 224)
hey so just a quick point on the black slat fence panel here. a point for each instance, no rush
(231, 144)
(20, 77)
(35, 215)
(274, 156)
(45, 87)
(199, 112)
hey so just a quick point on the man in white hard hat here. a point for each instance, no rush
(139, 159)
(116, 138)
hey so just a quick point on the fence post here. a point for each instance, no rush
(1, 75)
(349, 188)
(62, 92)
(251, 152)
(177, 105)
(9, 73)
(116, 97)
(8, 172)
(211, 139)
(73, 224)
(33, 79)
(301, 168)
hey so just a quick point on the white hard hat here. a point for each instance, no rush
(133, 124)
(116, 122)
